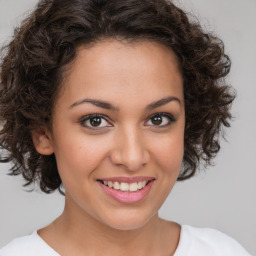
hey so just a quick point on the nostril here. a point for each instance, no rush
(131, 155)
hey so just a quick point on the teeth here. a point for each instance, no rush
(140, 185)
(116, 185)
(132, 187)
(124, 186)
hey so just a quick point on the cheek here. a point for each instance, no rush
(77, 158)
(169, 154)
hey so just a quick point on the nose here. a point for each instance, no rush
(130, 150)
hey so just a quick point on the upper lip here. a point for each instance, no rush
(128, 179)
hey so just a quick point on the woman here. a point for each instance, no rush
(111, 102)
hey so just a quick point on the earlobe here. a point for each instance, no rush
(42, 141)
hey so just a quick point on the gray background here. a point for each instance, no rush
(224, 196)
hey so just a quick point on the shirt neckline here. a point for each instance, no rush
(44, 244)
(48, 247)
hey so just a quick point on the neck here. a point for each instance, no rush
(81, 232)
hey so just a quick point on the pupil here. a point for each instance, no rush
(157, 120)
(95, 121)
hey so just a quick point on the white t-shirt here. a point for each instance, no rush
(193, 242)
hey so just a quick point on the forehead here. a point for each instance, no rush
(111, 53)
(112, 67)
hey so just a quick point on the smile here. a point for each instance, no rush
(123, 186)
(127, 190)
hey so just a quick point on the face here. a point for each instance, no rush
(118, 131)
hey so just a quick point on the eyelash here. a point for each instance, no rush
(83, 120)
(171, 119)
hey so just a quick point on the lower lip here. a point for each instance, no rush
(127, 197)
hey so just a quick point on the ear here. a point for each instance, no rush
(42, 141)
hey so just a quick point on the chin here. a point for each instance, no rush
(128, 220)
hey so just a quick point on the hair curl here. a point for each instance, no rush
(34, 62)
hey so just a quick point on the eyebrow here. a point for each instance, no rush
(98, 103)
(162, 102)
(109, 106)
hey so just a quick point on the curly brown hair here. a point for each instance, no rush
(33, 65)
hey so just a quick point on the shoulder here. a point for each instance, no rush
(30, 245)
(206, 241)
(17, 246)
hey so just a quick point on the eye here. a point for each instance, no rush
(160, 120)
(94, 121)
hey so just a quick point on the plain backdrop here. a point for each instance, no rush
(223, 196)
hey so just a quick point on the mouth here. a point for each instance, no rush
(124, 186)
(127, 190)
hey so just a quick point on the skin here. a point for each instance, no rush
(129, 76)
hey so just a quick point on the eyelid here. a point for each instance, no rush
(87, 117)
(171, 118)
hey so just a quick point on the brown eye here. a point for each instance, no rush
(160, 120)
(156, 120)
(94, 121)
